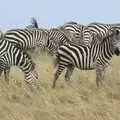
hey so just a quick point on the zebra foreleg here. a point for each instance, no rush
(6, 73)
(100, 72)
(69, 71)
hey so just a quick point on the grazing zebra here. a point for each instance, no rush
(86, 58)
(11, 55)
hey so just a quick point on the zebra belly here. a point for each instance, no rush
(87, 65)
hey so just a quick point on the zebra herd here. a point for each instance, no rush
(72, 45)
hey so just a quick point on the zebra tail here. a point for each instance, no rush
(34, 22)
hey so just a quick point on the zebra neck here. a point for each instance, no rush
(107, 49)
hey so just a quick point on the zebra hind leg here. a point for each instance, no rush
(100, 72)
(1, 72)
(69, 71)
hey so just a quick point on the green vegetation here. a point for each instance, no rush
(80, 100)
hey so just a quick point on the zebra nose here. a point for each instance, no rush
(117, 52)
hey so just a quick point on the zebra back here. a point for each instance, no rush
(27, 38)
(73, 31)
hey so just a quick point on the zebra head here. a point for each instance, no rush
(113, 35)
(31, 76)
(116, 41)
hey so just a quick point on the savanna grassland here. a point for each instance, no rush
(80, 100)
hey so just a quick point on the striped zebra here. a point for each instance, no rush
(77, 33)
(56, 38)
(72, 30)
(37, 38)
(11, 55)
(101, 29)
(86, 58)
(27, 39)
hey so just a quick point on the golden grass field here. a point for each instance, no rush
(80, 100)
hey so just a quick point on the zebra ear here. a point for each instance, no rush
(117, 32)
(114, 31)
(34, 22)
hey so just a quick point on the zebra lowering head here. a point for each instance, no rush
(30, 74)
(17, 57)
(96, 56)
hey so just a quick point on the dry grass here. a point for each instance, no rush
(79, 101)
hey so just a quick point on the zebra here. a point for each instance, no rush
(77, 33)
(96, 56)
(50, 39)
(56, 38)
(27, 39)
(72, 30)
(99, 28)
(11, 55)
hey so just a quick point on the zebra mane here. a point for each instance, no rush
(110, 34)
(95, 23)
(71, 22)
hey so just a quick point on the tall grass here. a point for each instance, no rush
(80, 100)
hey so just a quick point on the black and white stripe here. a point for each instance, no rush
(27, 38)
(11, 55)
(86, 58)
(56, 38)
(77, 33)
(73, 31)
(36, 38)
